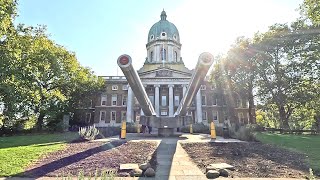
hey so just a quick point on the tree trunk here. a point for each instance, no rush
(252, 115)
(283, 118)
(40, 121)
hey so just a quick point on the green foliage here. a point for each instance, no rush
(17, 152)
(244, 133)
(132, 127)
(88, 133)
(311, 10)
(41, 78)
(308, 144)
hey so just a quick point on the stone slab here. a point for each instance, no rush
(221, 166)
(129, 166)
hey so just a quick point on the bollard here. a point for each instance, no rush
(123, 130)
(138, 128)
(191, 130)
(212, 131)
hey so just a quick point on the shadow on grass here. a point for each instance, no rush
(55, 165)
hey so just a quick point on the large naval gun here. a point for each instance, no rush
(149, 117)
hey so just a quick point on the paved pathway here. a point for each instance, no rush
(174, 163)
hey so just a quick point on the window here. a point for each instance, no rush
(204, 115)
(244, 104)
(163, 34)
(163, 100)
(151, 37)
(88, 117)
(123, 115)
(241, 118)
(114, 100)
(203, 100)
(176, 100)
(213, 87)
(163, 54)
(113, 115)
(103, 100)
(102, 115)
(152, 99)
(114, 87)
(224, 102)
(125, 87)
(90, 103)
(174, 37)
(203, 87)
(151, 56)
(215, 115)
(124, 100)
(238, 103)
(164, 113)
(214, 100)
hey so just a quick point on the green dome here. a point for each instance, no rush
(163, 29)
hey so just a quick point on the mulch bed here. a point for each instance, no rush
(250, 159)
(91, 156)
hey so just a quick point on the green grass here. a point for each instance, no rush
(17, 152)
(308, 144)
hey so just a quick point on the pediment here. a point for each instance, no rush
(165, 73)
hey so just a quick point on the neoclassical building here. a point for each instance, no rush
(165, 78)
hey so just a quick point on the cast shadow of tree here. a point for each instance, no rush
(57, 164)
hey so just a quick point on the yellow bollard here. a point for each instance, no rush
(138, 128)
(213, 131)
(191, 130)
(123, 130)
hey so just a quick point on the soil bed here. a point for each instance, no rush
(91, 156)
(250, 159)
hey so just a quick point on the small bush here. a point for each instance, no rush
(109, 131)
(132, 127)
(197, 128)
(88, 133)
(244, 133)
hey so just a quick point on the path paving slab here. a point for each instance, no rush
(128, 166)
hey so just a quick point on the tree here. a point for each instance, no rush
(285, 71)
(44, 78)
(311, 10)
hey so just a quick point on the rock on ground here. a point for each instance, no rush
(150, 172)
(212, 174)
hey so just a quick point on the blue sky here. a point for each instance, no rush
(99, 31)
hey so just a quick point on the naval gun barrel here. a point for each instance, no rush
(204, 63)
(125, 64)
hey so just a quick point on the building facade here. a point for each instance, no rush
(165, 79)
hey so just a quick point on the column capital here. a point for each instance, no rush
(170, 85)
(184, 85)
(156, 85)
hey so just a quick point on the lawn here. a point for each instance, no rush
(17, 152)
(308, 144)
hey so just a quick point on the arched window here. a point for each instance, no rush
(175, 56)
(151, 56)
(163, 54)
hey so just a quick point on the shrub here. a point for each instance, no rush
(197, 128)
(244, 133)
(132, 127)
(109, 131)
(89, 132)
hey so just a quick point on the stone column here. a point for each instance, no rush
(157, 99)
(199, 107)
(171, 100)
(184, 89)
(130, 105)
